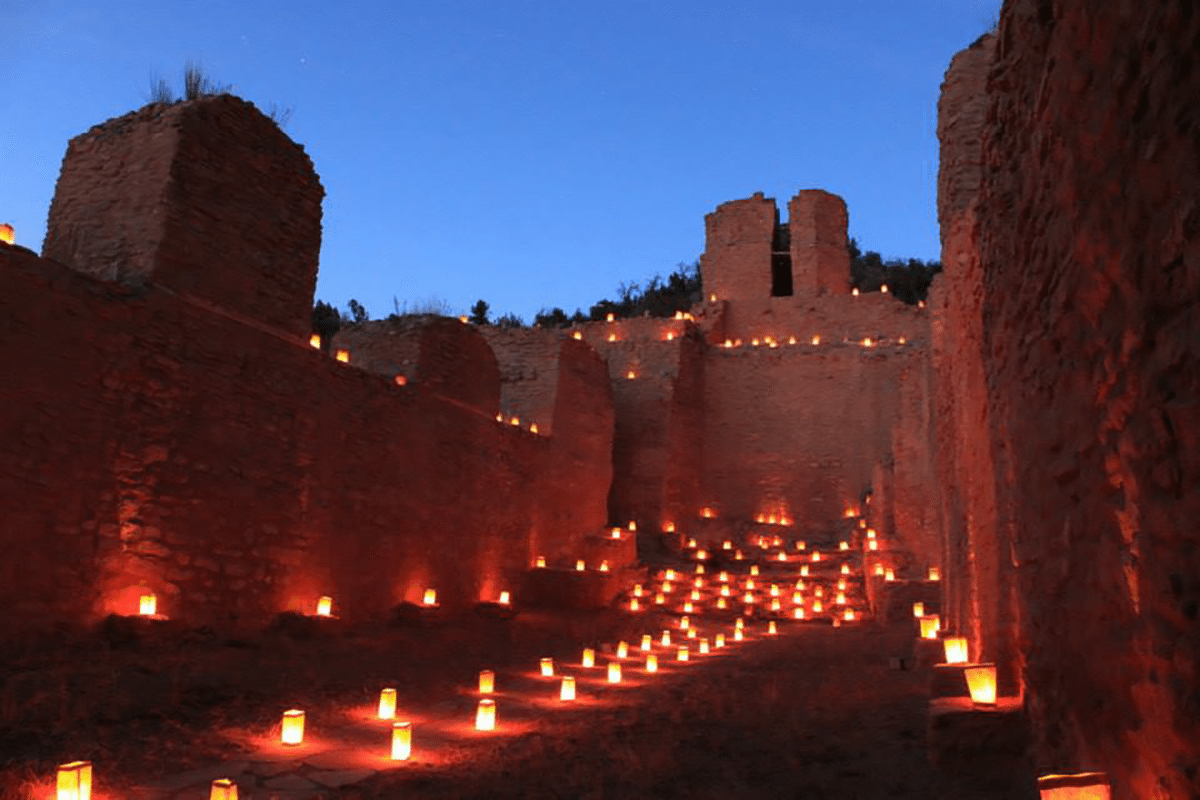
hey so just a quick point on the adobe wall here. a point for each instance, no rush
(207, 198)
(979, 584)
(1090, 265)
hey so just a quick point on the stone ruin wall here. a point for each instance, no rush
(208, 199)
(1084, 240)
(159, 442)
(980, 585)
(801, 429)
(656, 369)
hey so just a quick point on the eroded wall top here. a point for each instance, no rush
(207, 198)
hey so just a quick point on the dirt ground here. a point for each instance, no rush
(816, 712)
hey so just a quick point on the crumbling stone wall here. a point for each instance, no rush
(234, 473)
(820, 260)
(737, 256)
(563, 386)
(1089, 260)
(796, 430)
(979, 580)
(656, 369)
(207, 198)
(438, 355)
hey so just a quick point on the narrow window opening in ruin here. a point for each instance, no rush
(781, 261)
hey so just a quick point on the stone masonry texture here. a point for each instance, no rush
(207, 198)
(820, 261)
(1083, 250)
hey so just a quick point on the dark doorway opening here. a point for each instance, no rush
(781, 261)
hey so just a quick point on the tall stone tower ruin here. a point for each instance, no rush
(749, 254)
(208, 198)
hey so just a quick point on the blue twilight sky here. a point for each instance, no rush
(534, 154)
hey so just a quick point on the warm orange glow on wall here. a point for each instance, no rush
(75, 781)
(630, 375)
(669, 527)
(669, 575)
(721, 603)
(612, 337)
(934, 574)
(343, 355)
(681, 654)
(223, 789)
(981, 683)
(604, 566)
(547, 667)
(670, 336)
(633, 604)
(588, 659)
(737, 635)
(8, 234)
(889, 574)
(324, 606)
(918, 610)
(719, 642)
(533, 428)
(566, 689)
(614, 672)
(798, 613)
(387, 704)
(665, 639)
(843, 545)
(515, 422)
(485, 715)
(878, 570)
(867, 342)
(708, 513)
(293, 728)
(430, 598)
(401, 380)
(647, 642)
(580, 566)
(854, 292)
(148, 605)
(955, 648)
(540, 563)
(818, 606)
(873, 544)
(1082, 786)
(610, 317)
(505, 598)
(401, 741)
(930, 624)
(659, 599)
(578, 335)
(754, 570)
(314, 341)
(804, 570)
(651, 663)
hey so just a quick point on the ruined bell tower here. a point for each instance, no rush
(749, 254)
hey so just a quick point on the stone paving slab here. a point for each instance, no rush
(336, 779)
(202, 775)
